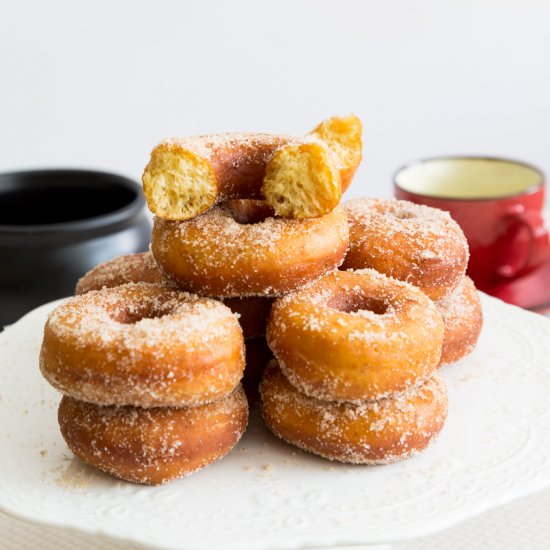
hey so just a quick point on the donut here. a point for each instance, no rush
(224, 253)
(414, 243)
(342, 135)
(253, 312)
(377, 432)
(142, 345)
(463, 318)
(258, 356)
(299, 177)
(152, 446)
(355, 335)
(136, 268)
(132, 268)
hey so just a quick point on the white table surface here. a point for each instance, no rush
(521, 525)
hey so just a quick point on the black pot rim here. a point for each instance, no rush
(92, 224)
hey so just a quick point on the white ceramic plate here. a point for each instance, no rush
(268, 495)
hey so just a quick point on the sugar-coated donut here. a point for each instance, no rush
(414, 243)
(258, 356)
(253, 311)
(463, 318)
(376, 432)
(153, 446)
(132, 268)
(143, 345)
(227, 253)
(343, 137)
(355, 335)
(299, 177)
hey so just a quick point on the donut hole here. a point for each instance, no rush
(403, 214)
(356, 303)
(133, 313)
(249, 212)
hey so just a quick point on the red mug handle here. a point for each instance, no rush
(539, 243)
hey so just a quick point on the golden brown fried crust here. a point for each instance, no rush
(142, 345)
(142, 268)
(187, 176)
(360, 433)
(239, 165)
(414, 243)
(218, 254)
(131, 268)
(355, 335)
(153, 446)
(463, 319)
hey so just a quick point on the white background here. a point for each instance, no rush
(98, 83)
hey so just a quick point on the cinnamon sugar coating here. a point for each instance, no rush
(225, 253)
(414, 243)
(299, 176)
(153, 446)
(355, 336)
(131, 268)
(252, 311)
(366, 432)
(143, 345)
(463, 319)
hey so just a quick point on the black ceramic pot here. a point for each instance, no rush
(57, 224)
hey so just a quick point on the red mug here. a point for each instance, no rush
(497, 202)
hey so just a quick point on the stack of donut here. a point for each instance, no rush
(355, 377)
(252, 311)
(254, 262)
(255, 216)
(150, 352)
(150, 378)
(239, 253)
(425, 247)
